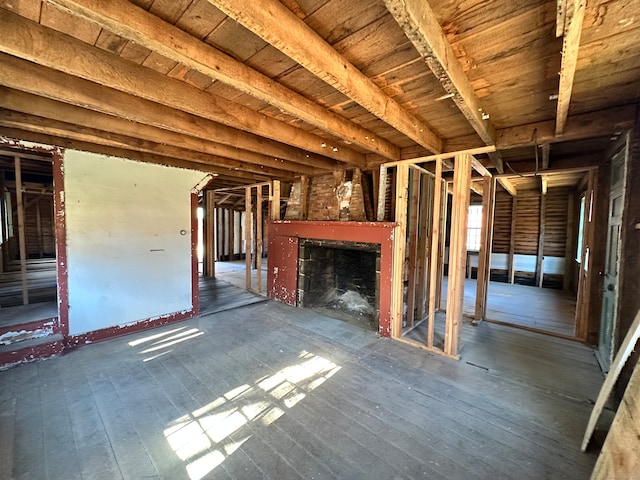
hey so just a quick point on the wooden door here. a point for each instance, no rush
(610, 284)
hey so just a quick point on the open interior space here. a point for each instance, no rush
(270, 391)
(319, 238)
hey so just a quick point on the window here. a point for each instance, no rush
(474, 228)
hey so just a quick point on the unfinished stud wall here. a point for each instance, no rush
(128, 239)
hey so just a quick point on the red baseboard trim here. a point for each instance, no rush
(30, 354)
(117, 331)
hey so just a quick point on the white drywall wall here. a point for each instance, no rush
(127, 259)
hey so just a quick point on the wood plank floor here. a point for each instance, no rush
(269, 391)
(542, 309)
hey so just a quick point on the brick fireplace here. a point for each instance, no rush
(317, 263)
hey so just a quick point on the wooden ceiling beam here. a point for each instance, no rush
(276, 24)
(476, 186)
(28, 40)
(508, 186)
(32, 105)
(127, 20)
(64, 142)
(570, 48)
(421, 26)
(88, 136)
(546, 151)
(479, 167)
(578, 127)
(37, 80)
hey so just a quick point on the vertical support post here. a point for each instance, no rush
(247, 236)
(540, 254)
(220, 233)
(275, 201)
(399, 247)
(231, 234)
(424, 231)
(457, 253)
(436, 259)
(412, 223)
(441, 241)
(209, 243)
(486, 240)
(21, 235)
(382, 192)
(512, 240)
(259, 238)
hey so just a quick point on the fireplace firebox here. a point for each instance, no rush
(340, 278)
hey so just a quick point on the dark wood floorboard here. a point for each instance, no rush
(269, 391)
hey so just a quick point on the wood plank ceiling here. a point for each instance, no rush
(277, 89)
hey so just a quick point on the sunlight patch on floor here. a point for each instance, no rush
(213, 432)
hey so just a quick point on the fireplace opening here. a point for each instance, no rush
(340, 279)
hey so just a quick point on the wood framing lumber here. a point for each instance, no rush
(259, 222)
(31, 41)
(276, 24)
(480, 168)
(457, 253)
(486, 240)
(248, 237)
(210, 203)
(620, 454)
(127, 20)
(436, 257)
(546, 151)
(37, 80)
(275, 200)
(22, 243)
(421, 26)
(626, 348)
(508, 186)
(399, 247)
(578, 127)
(570, 48)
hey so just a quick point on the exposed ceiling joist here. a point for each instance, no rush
(277, 25)
(127, 20)
(231, 143)
(421, 26)
(561, 17)
(477, 187)
(90, 146)
(570, 48)
(480, 168)
(578, 127)
(546, 150)
(508, 186)
(29, 104)
(31, 41)
(91, 136)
